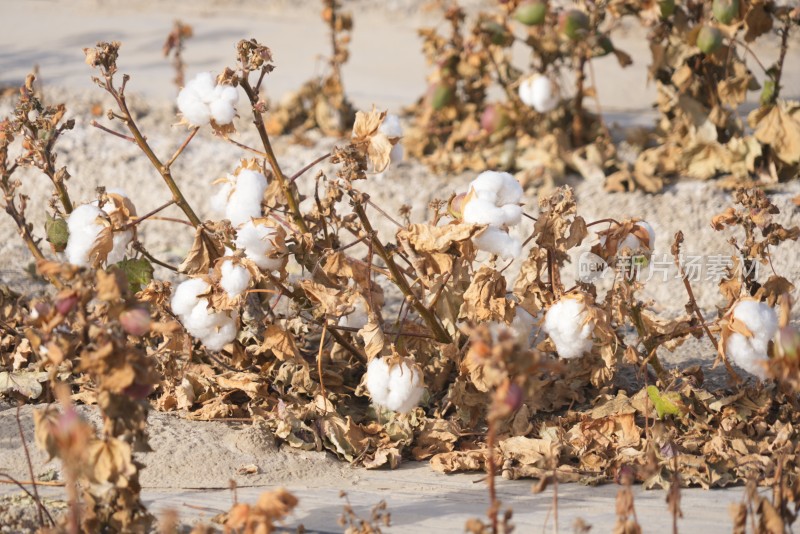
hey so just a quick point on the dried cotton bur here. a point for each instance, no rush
(295, 312)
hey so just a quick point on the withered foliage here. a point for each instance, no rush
(337, 297)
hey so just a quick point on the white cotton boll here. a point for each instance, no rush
(201, 100)
(496, 241)
(222, 112)
(235, 278)
(391, 126)
(83, 231)
(224, 333)
(479, 211)
(497, 187)
(185, 297)
(523, 325)
(244, 203)
(398, 388)
(120, 246)
(378, 381)
(257, 241)
(651, 234)
(219, 201)
(397, 154)
(201, 319)
(358, 318)
(539, 92)
(565, 323)
(750, 353)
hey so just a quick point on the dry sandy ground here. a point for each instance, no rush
(386, 69)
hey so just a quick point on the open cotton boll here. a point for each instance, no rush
(398, 388)
(499, 188)
(258, 241)
(497, 241)
(539, 92)
(479, 211)
(225, 331)
(83, 232)
(235, 278)
(358, 318)
(185, 297)
(750, 353)
(120, 240)
(566, 324)
(391, 126)
(240, 196)
(202, 100)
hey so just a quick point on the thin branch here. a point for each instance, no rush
(182, 147)
(112, 132)
(245, 147)
(302, 171)
(37, 499)
(319, 358)
(146, 216)
(138, 246)
(382, 212)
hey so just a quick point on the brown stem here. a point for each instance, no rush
(183, 146)
(577, 118)
(647, 341)
(25, 232)
(163, 170)
(39, 506)
(302, 171)
(139, 247)
(494, 504)
(271, 159)
(146, 216)
(112, 132)
(319, 358)
(399, 279)
(781, 58)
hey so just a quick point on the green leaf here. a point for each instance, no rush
(139, 273)
(767, 92)
(665, 404)
(57, 232)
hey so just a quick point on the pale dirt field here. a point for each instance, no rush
(193, 462)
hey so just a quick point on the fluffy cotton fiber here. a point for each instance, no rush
(120, 239)
(398, 388)
(203, 100)
(566, 324)
(258, 242)
(539, 92)
(633, 243)
(750, 353)
(494, 199)
(214, 329)
(84, 229)
(235, 278)
(239, 197)
(391, 128)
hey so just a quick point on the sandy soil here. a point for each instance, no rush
(386, 69)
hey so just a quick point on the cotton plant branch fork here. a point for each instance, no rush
(676, 251)
(104, 57)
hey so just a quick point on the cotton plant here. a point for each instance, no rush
(395, 385)
(235, 278)
(746, 335)
(262, 243)
(539, 92)
(190, 302)
(239, 196)
(494, 199)
(203, 101)
(570, 324)
(92, 239)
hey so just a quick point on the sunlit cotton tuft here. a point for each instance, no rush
(203, 100)
(750, 353)
(494, 199)
(84, 230)
(235, 278)
(539, 92)
(567, 325)
(214, 329)
(392, 129)
(258, 242)
(398, 388)
(239, 196)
